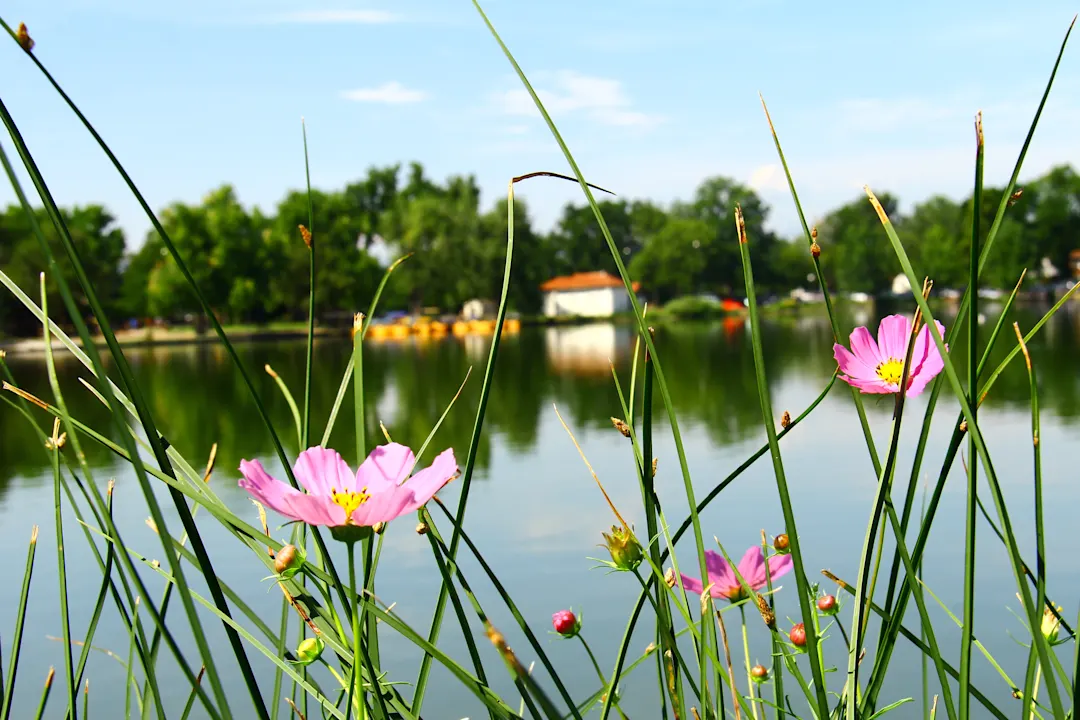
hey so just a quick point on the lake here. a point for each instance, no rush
(534, 509)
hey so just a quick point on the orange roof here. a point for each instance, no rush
(586, 281)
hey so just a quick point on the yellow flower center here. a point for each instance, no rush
(349, 501)
(889, 371)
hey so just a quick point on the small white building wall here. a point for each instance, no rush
(598, 302)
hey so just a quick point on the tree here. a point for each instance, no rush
(674, 260)
(532, 257)
(369, 200)
(714, 204)
(579, 245)
(856, 254)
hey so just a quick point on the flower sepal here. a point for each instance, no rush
(351, 533)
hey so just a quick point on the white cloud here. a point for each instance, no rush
(768, 177)
(602, 100)
(363, 17)
(389, 93)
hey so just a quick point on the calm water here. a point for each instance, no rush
(534, 510)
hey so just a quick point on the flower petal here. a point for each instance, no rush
(322, 471)
(382, 507)
(719, 570)
(779, 565)
(851, 364)
(870, 387)
(386, 466)
(424, 484)
(892, 338)
(287, 501)
(692, 585)
(864, 347)
(926, 360)
(752, 567)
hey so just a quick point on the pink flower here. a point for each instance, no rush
(337, 498)
(752, 567)
(875, 367)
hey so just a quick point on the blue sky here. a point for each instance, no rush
(651, 96)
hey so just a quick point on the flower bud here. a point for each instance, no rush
(309, 650)
(422, 528)
(826, 605)
(288, 561)
(621, 426)
(798, 635)
(781, 543)
(669, 577)
(624, 548)
(759, 674)
(25, 42)
(378, 528)
(1050, 624)
(813, 233)
(305, 234)
(566, 623)
(785, 419)
(815, 249)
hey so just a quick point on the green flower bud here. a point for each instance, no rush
(308, 651)
(625, 550)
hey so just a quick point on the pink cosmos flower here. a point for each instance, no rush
(752, 567)
(875, 367)
(378, 492)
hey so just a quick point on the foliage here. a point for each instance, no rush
(254, 265)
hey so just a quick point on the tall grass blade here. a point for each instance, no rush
(309, 238)
(661, 382)
(968, 629)
(1033, 612)
(805, 592)
(20, 621)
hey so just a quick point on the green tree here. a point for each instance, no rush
(714, 204)
(856, 254)
(674, 260)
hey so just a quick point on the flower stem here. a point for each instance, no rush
(600, 674)
(746, 650)
(355, 674)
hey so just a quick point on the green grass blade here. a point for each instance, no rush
(810, 235)
(87, 340)
(474, 444)
(1040, 538)
(968, 627)
(343, 387)
(45, 695)
(291, 402)
(55, 445)
(972, 428)
(661, 382)
(191, 698)
(511, 606)
(20, 620)
(311, 296)
(805, 593)
(211, 316)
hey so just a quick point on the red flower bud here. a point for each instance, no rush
(759, 673)
(566, 623)
(826, 604)
(798, 635)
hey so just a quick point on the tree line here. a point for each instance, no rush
(253, 266)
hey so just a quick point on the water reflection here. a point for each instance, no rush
(199, 399)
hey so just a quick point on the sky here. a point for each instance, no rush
(652, 97)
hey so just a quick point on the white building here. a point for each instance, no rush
(587, 294)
